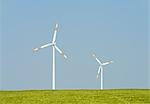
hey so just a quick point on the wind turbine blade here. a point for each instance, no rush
(43, 46)
(96, 59)
(99, 70)
(106, 63)
(35, 49)
(55, 32)
(61, 52)
(97, 76)
(46, 45)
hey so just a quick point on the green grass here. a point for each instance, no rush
(126, 96)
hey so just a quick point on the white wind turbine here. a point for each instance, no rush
(54, 46)
(100, 69)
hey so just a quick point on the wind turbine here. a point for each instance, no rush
(54, 46)
(100, 69)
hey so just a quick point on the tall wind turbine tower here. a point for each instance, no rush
(54, 47)
(100, 69)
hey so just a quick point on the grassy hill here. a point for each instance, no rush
(126, 96)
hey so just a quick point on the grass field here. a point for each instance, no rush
(126, 96)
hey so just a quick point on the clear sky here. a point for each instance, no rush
(113, 29)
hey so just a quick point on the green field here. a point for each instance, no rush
(122, 96)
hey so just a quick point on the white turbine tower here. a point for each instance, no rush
(54, 46)
(100, 69)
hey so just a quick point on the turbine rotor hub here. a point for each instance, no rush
(53, 44)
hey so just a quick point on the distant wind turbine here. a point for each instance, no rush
(54, 46)
(100, 70)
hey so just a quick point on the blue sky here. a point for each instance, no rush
(112, 29)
